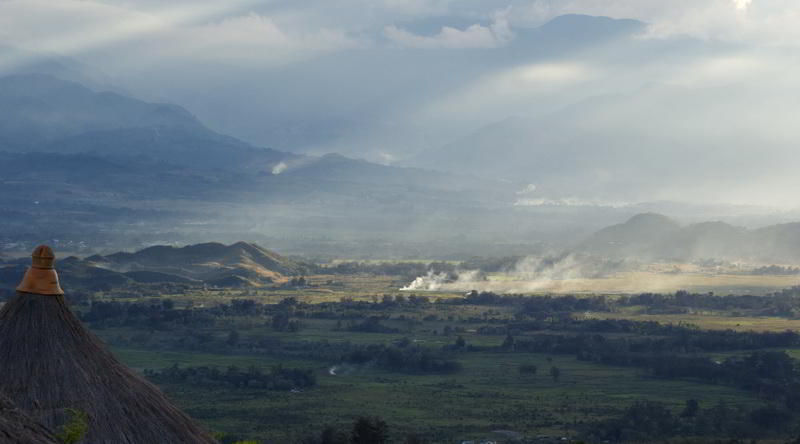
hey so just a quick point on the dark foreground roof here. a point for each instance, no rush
(18, 428)
(50, 362)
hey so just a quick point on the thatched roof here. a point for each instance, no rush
(50, 362)
(17, 428)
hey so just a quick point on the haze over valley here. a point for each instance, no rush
(399, 221)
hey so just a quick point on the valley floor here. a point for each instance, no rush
(490, 390)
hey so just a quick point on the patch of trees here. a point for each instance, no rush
(648, 421)
(162, 314)
(632, 350)
(282, 321)
(351, 309)
(785, 303)
(644, 336)
(775, 270)
(533, 305)
(403, 357)
(371, 325)
(407, 270)
(157, 315)
(402, 301)
(277, 378)
(365, 430)
(771, 375)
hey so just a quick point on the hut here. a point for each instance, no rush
(51, 365)
(17, 428)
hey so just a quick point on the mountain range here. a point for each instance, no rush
(89, 168)
(651, 236)
(136, 172)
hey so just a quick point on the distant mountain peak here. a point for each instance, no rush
(585, 19)
(40, 109)
(653, 236)
(650, 218)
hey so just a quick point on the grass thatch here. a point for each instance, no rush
(18, 428)
(50, 363)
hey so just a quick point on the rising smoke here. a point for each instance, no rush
(279, 168)
(531, 273)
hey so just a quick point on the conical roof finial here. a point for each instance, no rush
(41, 277)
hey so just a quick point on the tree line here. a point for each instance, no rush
(277, 378)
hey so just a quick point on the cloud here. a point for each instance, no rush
(512, 90)
(498, 33)
(328, 76)
(200, 30)
(569, 202)
(415, 7)
(250, 39)
(528, 190)
(75, 27)
(279, 168)
(748, 21)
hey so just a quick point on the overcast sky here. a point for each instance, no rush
(391, 80)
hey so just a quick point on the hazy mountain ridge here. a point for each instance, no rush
(41, 113)
(125, 185)
(39, 108)
(651, 236)
(212, 263)
(156, 165)
(44, 114)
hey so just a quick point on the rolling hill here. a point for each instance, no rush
(207, 261)
(238, 265)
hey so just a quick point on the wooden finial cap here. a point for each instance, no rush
(43, 257)
(41, 276)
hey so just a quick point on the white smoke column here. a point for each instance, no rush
(440, 281)
(529, 189)
(539, 273)
(467, 277)
(279, 168)
(529, 274)
(430, 282)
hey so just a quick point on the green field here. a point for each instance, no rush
(489, 393)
